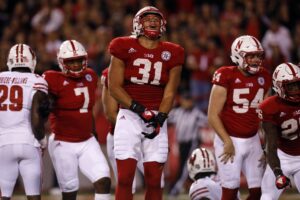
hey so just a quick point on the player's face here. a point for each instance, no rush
(254, 59)
(151, 22)
(293, 90)
(74, 64)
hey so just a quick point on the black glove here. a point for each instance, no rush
(281, 180)
(157, 122)
(146, 115)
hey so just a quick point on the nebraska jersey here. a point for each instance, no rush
(206, 187)
(146, 70)
(72, 117)
(244, 93)
(286, 117)
(16, 93)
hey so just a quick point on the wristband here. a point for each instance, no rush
(161, 118)
(137, 107)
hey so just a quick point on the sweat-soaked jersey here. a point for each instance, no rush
(146, 70)
(72, 117)
(244, 93)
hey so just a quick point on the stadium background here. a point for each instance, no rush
(205, 28)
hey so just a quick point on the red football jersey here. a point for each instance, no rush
(244, 93)
(146, 70)
(287, 118)
(72, 117)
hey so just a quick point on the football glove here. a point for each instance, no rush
(281, 180)
(146, 115)
(157, 122)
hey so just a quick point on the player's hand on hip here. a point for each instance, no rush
(228, 152)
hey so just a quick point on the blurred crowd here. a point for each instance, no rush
(205, 28)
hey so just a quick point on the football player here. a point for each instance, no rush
(71, 144)
(280, 116)
(143, 77)
(24, 110)
(110, 107)
(235, 96)
(201, 166)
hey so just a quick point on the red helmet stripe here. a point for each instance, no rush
(17, 53)
(291, 68)
(73, 46)
(256, 42)
(205, 156)
(21, 56)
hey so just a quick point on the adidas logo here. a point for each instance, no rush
(123, 117)
(131, 50)
(65, 83)
(282, 114)
(237, 80)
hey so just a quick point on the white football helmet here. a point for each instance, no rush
(72, 50)
(201, 160)
(286, 81)
(21, 56)
(138, 28)
(245, 45)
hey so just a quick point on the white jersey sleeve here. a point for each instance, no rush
(205, 187)
(16, 94)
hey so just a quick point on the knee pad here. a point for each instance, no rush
(70, 186)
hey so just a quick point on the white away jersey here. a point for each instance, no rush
(16, 93)
(206, 187)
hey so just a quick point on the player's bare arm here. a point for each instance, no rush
(271, 136)
(170, 90)
(39, 114)
(116, 80)
(110, 105)
(216, 103)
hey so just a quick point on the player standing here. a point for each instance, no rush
(24, 110)
(72, 145)
(235, 96)
(143, 77)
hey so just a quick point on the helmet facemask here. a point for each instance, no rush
(153, 16)
(75, 66)
(252, 61)
(291, 89)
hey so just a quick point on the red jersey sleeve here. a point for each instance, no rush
(118, 47)
(222, 76)
(268, 109)
(104, 77)
(51, 78)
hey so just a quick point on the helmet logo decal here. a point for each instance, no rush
(192, 159)
(238, 45)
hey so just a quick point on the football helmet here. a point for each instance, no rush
(286, 81)
(71, 50)
(243, 46)
(138, 26)
(21, 56)
(200, 161)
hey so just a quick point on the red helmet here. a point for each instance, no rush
(138, 27)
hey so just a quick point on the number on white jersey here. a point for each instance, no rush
(14, 95)
(145, 71)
